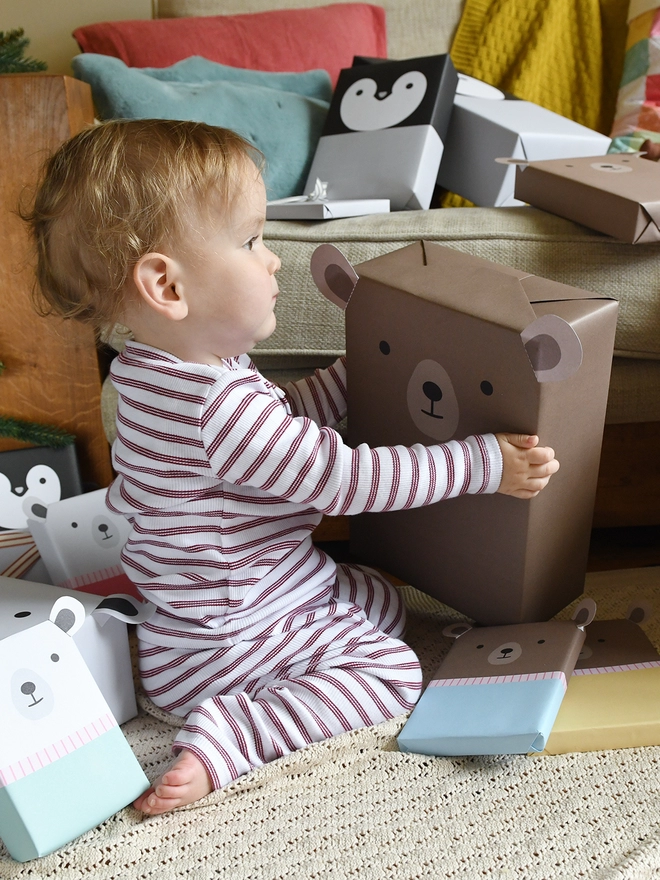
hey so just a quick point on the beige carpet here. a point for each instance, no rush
(355, 807)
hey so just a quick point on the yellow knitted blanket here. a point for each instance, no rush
(566, 55)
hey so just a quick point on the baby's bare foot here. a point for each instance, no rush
(185, 782)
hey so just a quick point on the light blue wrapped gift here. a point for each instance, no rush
(65, 765)
(498, 690)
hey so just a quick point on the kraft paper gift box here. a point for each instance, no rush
(31, 479)
(80, 541)
(613, 698)
(482, 130)
(498, 690)
(617, 194)
(102, 639)
(65, 765)
(442, 345)
(384, 133)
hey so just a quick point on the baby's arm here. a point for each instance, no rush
(320, 397)
(526, 466)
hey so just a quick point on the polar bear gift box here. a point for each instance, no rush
(383, 137)
(441, 345)
(65, 765)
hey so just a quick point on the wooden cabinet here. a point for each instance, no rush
(52, 371)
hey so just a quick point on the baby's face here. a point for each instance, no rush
(228, 277)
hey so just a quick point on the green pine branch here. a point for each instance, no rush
(12, 48)
(32, 432)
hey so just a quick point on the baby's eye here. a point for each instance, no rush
(251, 243)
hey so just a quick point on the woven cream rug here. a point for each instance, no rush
(354, 806)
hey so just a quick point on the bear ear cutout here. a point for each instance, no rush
(333, 274)
(639, 611)
(456, 630)
(584, 613)
(126, 608)
(68, 614)
(553, 347)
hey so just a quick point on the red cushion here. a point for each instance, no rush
(325, 37)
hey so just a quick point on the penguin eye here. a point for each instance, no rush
(360, 92)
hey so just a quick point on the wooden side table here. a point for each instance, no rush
(52, 370)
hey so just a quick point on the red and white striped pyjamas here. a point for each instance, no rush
(259, 639)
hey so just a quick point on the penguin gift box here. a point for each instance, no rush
(384, 134)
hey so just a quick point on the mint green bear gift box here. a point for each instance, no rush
(65, 765)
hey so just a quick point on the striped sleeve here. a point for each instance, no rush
(251, 440)
(321, 397)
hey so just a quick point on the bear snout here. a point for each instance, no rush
(31, 695)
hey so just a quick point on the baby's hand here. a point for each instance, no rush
(526, 467)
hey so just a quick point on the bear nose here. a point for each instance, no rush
(506, 651)
(28, 688)
(103, 527)
(432, 391)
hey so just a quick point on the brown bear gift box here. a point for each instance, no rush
(441, 345)
(499, 688)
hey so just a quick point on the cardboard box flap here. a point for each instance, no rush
(541, 290)
(455, 280)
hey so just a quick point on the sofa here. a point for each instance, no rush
(310, 331)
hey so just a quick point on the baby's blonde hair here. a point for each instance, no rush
(117, 191)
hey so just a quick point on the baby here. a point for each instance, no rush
(260, 641)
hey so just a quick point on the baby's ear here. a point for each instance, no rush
(333, 274)
(158, 282)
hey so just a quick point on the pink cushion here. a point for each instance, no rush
(325, 37)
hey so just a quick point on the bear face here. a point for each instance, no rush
(520, 649)
(47, 690)
(78, 536)
(618, 642)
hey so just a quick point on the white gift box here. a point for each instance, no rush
(482, 130)
(102, 639)
(324, 209)
(80, 541)
(65, 765)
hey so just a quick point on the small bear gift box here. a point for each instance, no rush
(498, 690)
(441, 345)
(102, 639)
(482, 130)
(617, 194)
(613, 697)
(384, 133)
(80, 541)
(65, 765)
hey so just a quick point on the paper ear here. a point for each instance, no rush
(553, 348)
(68, 614)
(584, 613)
(456, 630)
(126, 608)
(333, 274)
(639, 611)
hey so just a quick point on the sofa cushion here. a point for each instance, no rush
(278, 40)
(280, 113)
(414, 27)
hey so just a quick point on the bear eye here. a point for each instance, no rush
(541, 642)
(384, 347)
(55, 658)
(22, 614)
(486, 388)
(601, 640)
(479, 646)
(74, 525)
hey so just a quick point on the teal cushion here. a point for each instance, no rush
(280, 113)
